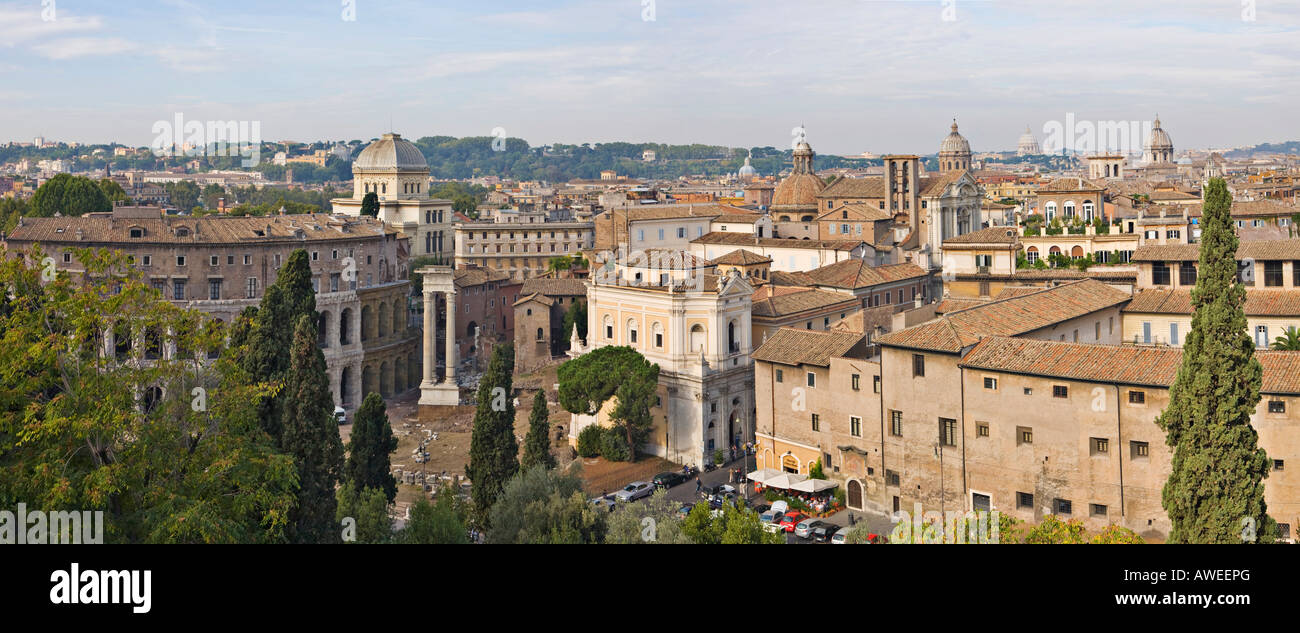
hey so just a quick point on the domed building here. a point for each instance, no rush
(394, 170)
(1028, 145)
(747, 172)
(954, 152)
(1159, 149)
(797, 193)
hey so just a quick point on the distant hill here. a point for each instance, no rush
(1289, 147)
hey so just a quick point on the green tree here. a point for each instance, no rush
(545, 505)
(1053, 531)
(493, 451)
(588, 381)
(740, 526)
(311, 437)
(112, 190)
(815, 471)
(439, 523)
(1290, 340)
(628, 525)
(169, 450)
(369, 509)
(266, 358)
(370, 204)
(183, 194)
(1116, 535)
(576, 316)
(700, 527)
(69, 195)
(537, 443)
(1215, 490)
(372, 441)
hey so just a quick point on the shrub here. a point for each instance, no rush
(718, 458)
(613, 446)
(589, 441)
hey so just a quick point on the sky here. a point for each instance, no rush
(876, 76)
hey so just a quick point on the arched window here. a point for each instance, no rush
(1032, 254)
(609, 328)
(733, 339)
(658, 331)
(1050, 207)
(541, 336)
(631, 332)
(1088, 211)
(698, 340)
(1069, 209)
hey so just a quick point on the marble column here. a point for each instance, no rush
(430, 338)
(451, 336)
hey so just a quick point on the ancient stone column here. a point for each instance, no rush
(430, 338)
(451, 336)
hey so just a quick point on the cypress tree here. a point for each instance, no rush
(1215, 491)
(311, 437)
(368, 455)
(493, 451)
(267, 359)
(370, 205)
(537, 444)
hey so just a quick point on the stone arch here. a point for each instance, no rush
(345, 327)
(323, 329)
(1076, 252)
(399, 375)
(699, 339)
(369, 381)
(345, 386)
(399, 317)
(382, 322)
(367, 322)
(385, 379)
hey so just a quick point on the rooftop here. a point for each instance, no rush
(791, 346)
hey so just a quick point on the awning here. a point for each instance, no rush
(763, 474)
(814, 485)
(784, 481)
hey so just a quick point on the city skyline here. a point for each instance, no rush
(554, 76)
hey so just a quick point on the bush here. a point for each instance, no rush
(589, 441)
(613, 446)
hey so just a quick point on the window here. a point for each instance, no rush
(1279, 464)
(1273, 274)
(947, 432)
(214, 289)
(812, 380)
(855, 426)
(1138, 450)
(1024, 435)
(248, 260)
(137, 233)
(1029, 391)
(856, 382)
(1160, 274)
(891, 478)
(1099, 445)
(1137, 397)
(1063, 506)
(1187, 274)
(816, 422)
(178, 289)
(681, 232)
(1097, 509)
(213, 260)
(990, 383)
(780, 376)
(875, 384)
(982, 429)
(1276, 406)
(1173, 333)
(918, 365)
(252, 287)
(1024, 500)
(896, 423)
(180, 260)
(1060, 391)
(146, 260)
(1295, 274)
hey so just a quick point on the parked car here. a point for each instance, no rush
(770, 520)
(635, 490)
(606, 503)
(340, 415)
(822, 533)
(668, 479)
(837, 537)
(805, 527)
(790, 520)
(780, 506)
(761, 508)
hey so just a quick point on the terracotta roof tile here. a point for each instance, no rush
(1008, 317)
(742, 257)
(1254, 249)
(1259, 302)
(790, 346)
(555, 287)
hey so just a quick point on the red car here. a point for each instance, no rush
(790, 520)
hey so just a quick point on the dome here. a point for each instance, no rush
(747, 172)
(954, 143)
(800, 188)
(391, 153)
(1159, 139)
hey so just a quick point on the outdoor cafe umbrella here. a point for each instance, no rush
(785, 480)
(813, 485)
(763, 474)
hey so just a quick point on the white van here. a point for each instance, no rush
(340, 415)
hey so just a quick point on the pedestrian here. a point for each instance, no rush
(851, 521)
(698, 486)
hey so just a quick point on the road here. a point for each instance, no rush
(685, 493)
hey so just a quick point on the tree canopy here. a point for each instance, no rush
(588, 381)
(69, 195)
